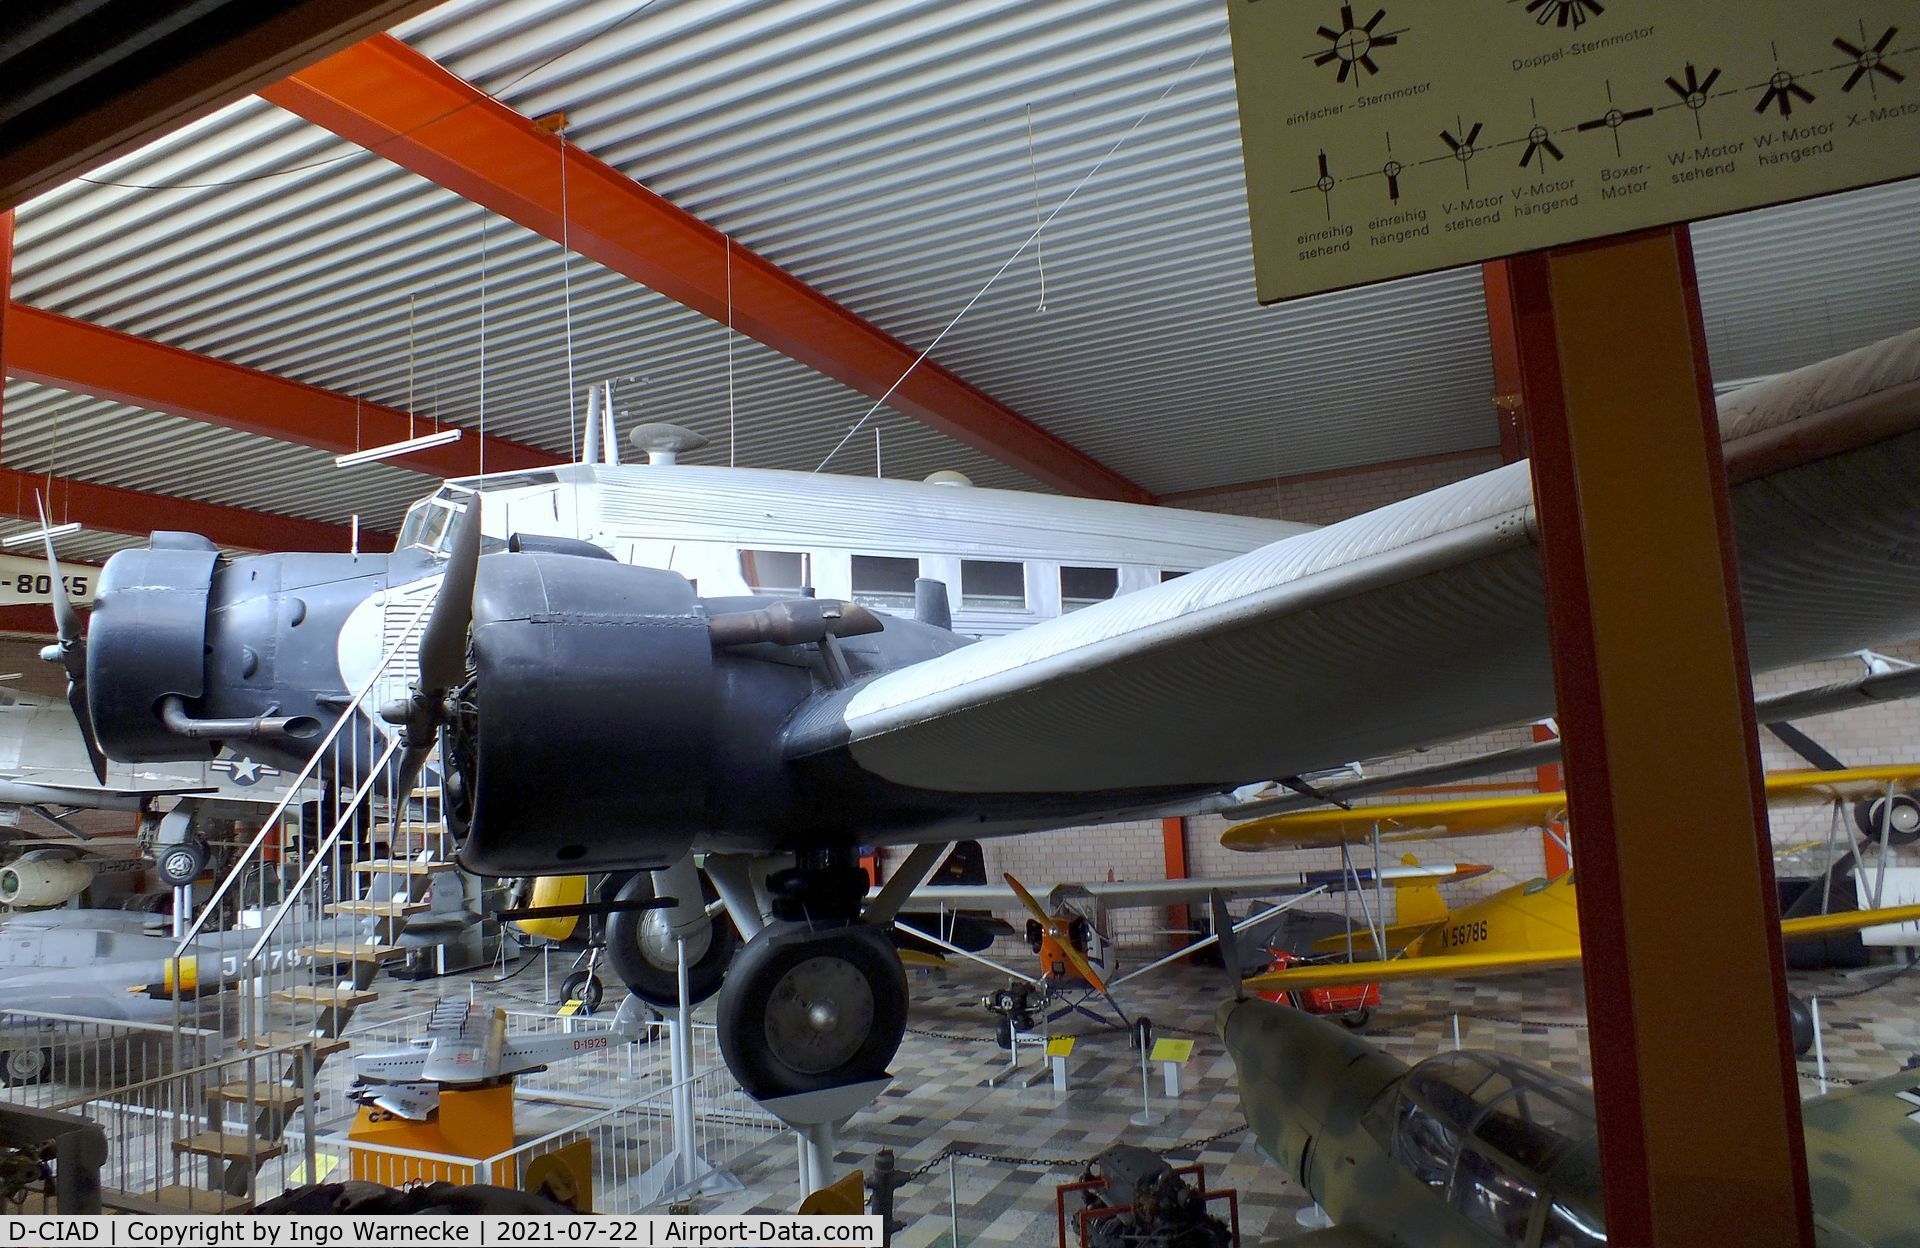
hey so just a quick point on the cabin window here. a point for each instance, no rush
(884, 581)
(1082, 587)
(1170, 574)
(786, 572)
(993, 585)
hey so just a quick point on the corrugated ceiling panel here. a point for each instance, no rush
(882, 151)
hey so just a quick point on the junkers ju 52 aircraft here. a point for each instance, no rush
(600, 711)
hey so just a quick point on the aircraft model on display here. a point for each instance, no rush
(819, 689)
(465, 1045)
(1478, 1149)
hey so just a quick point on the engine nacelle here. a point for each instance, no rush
(587, 740)
(187, 651)
(33, 881)
(147, 642)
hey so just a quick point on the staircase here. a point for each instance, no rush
(320, 899)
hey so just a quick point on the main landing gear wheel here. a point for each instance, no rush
(809, 1007)
(643, 953)
(180, 864)
(21, 1068)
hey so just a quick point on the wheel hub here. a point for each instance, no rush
(657, 941)
(819, 1014)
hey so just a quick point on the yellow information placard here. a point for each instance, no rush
(1169, 1050)
(1390, 138)
(1060, 1046)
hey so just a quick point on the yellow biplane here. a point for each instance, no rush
(1530, 926)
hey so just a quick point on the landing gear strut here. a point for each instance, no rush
(818, 999)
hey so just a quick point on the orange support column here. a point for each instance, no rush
(1173, 847)
(1700, 1135)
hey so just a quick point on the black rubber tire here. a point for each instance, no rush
(660, 986)
(1003, 1032)
(20, 1068)
(584, 987)
(746, 1041)
(1357, 1020)
(181, 864)
(1800, 1024)
(1866, 816)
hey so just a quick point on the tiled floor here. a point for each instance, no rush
(952, 1089)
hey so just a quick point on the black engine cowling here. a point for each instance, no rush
(146, 641)
(594, 684)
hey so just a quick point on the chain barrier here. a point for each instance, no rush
(1053, 1163)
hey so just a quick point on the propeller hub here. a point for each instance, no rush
(51, 653)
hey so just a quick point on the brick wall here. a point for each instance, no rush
(1133, 851)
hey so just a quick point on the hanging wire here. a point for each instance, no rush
(486, 225)
(1030, 240)
(733, 442)
(413, 345)
(1039, 256)
(566, 295)
(493, 96)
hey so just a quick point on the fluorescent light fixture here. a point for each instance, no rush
(372, 453)
(33, 537)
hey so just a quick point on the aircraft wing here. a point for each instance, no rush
(1483, 816)
(1864, 1141)
(1397, 821)
(1418, 622)
(1126, 894)
(464, 1043)
(1455, 965)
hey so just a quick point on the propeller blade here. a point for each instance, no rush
(411, 762)
(77, 700)
(1026, 899)
(1061, 936)
(443, 642)
(65, 618)
(73, 648)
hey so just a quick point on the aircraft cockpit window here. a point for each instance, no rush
(993, 585)
(1171, 574)
(884, 581)
(783, 572)
(427, 524)
(1492, 1197)
(1423, 1145)
(1568, 1229)
(1082, 587)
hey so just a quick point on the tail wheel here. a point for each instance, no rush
(807, 1008)
(645, 956)
(1356, 1020)
(1903, 826)
(1800, 1024)
(584, 987)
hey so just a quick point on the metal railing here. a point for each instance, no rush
(52, 1061)
(632, 1155)
(192, 1139)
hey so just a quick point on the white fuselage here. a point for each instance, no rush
(1008, 559)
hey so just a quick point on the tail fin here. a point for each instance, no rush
(1418, 902)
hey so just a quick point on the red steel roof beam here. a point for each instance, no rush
(110, 509)
(73, 355)
(399, 104)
